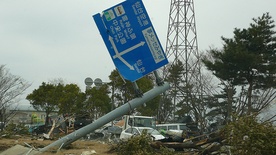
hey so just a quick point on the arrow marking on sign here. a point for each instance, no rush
(129, 49)
(118, 55)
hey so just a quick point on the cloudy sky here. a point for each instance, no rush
(41, 40)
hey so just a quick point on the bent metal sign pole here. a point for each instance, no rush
(122, 110)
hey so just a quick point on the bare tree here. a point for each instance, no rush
(11, 87)
(261, 99)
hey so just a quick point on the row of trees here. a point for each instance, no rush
(94, 102)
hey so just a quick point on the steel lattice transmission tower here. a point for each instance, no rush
(182, 42)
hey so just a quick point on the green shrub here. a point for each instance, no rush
(247, 136)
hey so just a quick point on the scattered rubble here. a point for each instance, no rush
(89, 152)
(212, 144)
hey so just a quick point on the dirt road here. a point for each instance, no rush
(76, 148)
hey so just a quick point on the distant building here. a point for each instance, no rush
(26, 114)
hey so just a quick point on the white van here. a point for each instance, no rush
(176, 127)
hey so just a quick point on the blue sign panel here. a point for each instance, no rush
(131, 39)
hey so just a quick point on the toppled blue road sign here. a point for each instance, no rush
(131, 39)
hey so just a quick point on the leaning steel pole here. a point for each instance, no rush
(122, 110)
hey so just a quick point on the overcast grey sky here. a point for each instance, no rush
(41, 40)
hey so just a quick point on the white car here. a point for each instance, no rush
(131, 131)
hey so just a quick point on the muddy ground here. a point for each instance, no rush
(76, 148)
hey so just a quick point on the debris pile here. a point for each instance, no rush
(204, 144)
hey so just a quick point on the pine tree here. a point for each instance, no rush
(249, 58)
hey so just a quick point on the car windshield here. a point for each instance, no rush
(150, 131)
(143, 122)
